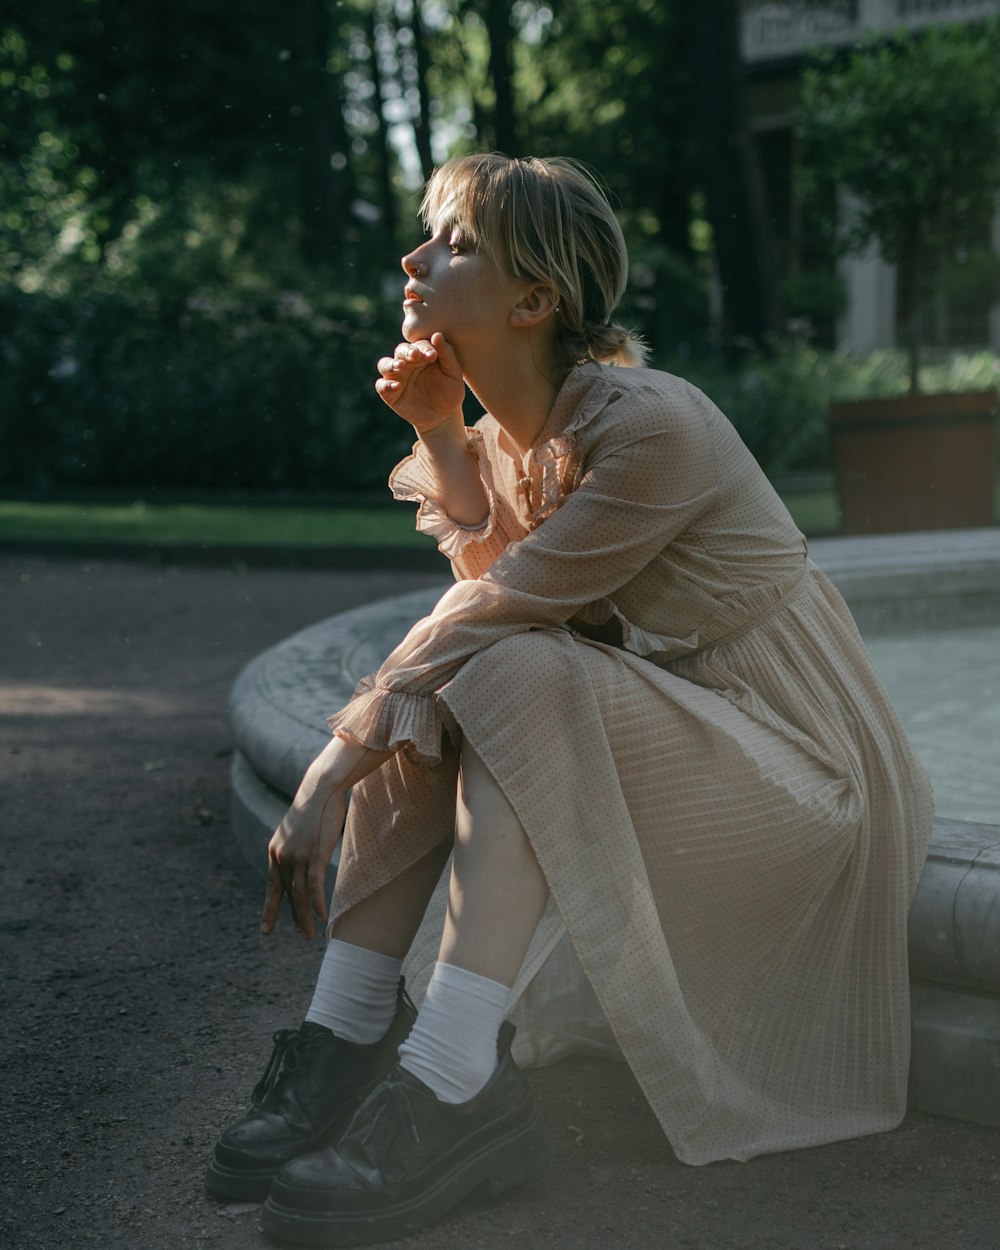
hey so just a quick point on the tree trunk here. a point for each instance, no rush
(674, 330)
(383, 148)
(908, 285)
(734, 187)
(501, 36)
(325, 193)
(422, 122)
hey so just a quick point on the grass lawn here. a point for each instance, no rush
(214, 525)
(231, 525)
(228, 525)
(814, 512)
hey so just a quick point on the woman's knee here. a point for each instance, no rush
(533, 656)
(403, 785)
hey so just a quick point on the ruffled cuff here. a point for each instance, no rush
(413, 480)
(386, 720)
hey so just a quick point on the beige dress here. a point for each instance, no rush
(678, 705)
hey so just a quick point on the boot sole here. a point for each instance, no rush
(239, 1185)
(502, 1165)
(254, 1184)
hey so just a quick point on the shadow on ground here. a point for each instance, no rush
(140, 1000)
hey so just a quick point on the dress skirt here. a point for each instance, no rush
(729, 844)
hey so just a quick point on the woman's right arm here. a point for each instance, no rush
(422, 382)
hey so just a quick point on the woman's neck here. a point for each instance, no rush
(518, 393)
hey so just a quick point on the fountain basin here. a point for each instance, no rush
(928, 606)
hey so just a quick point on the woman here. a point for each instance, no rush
(641, 699)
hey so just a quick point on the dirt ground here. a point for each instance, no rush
(139, 998)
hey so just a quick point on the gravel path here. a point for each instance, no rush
(140, 999)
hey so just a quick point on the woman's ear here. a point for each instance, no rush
(535, 306)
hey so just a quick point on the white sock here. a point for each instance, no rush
(452, 1047)
(355, 992)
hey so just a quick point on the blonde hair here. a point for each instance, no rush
(545, 220)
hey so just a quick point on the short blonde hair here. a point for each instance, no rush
(544, 220)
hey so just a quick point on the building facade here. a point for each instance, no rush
(850, 302)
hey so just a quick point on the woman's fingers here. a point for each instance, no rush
(406, 357)
(298, 855)
(300, 900)
(299, 882)
(445, 355)
(422, 382)
(273, 896)
(408, 362)
(317, 887)
(418, 352)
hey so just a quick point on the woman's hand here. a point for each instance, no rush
(300, 850)
(298, 856)
(423, 383)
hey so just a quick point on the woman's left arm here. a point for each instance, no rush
(300, 850)
(645, 483)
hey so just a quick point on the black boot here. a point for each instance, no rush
(407, 1158)
(313, 1083)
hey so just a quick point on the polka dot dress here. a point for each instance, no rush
(679, 708)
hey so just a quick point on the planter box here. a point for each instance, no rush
(917, 462)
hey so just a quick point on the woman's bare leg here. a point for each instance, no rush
(496, 896)
(387, 920)
(497, 892)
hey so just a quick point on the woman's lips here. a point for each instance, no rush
(412, 297)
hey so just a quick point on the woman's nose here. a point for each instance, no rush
(411, 266)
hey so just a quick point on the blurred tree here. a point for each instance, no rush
(164, 108)
(380, 31)
(610, 85)
(497, 18)
(422, 113)
(318, 140)
(182, 144)
(909, 129)
(229, 174)
(731, 177)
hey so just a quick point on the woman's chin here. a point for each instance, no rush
(414, 332)
(411, 330)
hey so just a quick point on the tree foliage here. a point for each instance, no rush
(909, 128)
(184, 174)
(168, 145)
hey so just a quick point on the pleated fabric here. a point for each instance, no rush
(678, 706)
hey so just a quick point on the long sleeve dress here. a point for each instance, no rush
(678, 706)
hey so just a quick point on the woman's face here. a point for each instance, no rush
(454, 289)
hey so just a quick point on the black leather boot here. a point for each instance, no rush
(407, 1158)
(313, 1083)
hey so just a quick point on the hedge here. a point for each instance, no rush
(277, 394)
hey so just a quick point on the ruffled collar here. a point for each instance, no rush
(585, 391)
(551, 466)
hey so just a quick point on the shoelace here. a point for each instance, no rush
(387, 1110)
(284, 1057)
(401, 1105)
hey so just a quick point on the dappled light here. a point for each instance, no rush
(200, 247)
(649, 704)
(27, 699)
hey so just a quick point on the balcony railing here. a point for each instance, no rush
(776, 31)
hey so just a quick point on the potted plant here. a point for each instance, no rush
(906, 134)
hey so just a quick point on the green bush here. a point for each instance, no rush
(908, 130)
(780, 403)
(273, 393)
(887, 372)
(276, 393)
